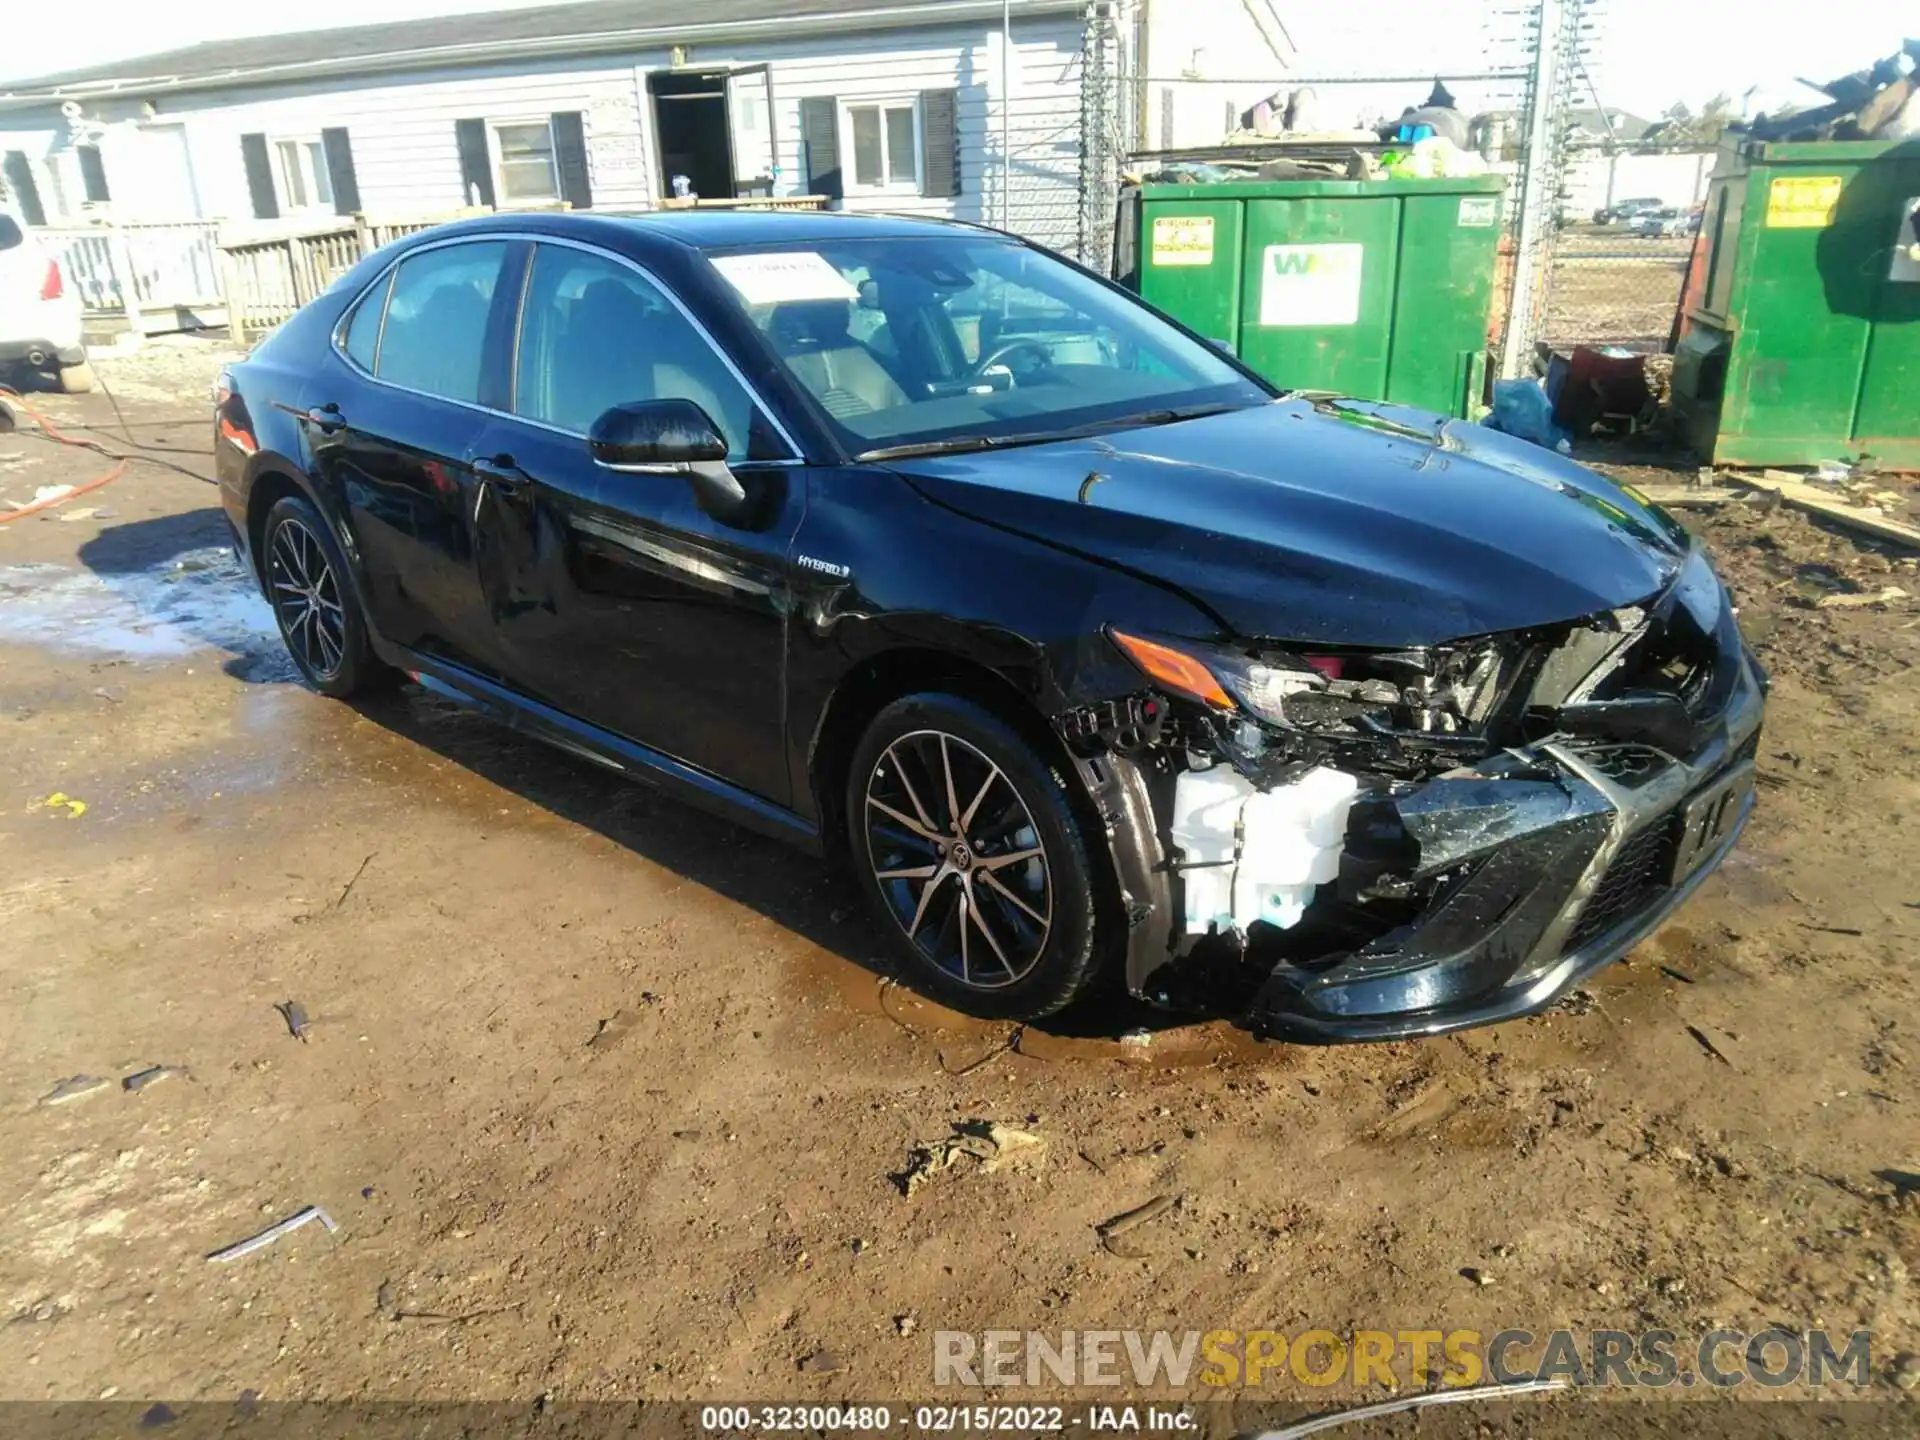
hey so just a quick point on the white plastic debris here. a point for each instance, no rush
(1250, 854)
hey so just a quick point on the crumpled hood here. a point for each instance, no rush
(1339, 522)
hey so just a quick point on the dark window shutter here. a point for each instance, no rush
(570, 151)
(476, 171)
(346, 185)
(820, 129)
(93, 174)
(253, 149)
(26, 194)
(939, 142)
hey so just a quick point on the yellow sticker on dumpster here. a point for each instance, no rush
(1802, 202)
(1183, 240)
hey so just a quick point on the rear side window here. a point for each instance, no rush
(10, 235)
(363, 331)
(436, 327)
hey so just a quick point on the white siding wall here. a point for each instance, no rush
(406, 159)
(404, 152)
(1044, 187)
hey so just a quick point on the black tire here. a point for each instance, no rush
(325, 635)
(1031, 946)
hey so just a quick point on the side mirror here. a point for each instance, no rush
(655, 435)
(671, 437)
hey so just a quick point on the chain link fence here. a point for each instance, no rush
(1625, 230)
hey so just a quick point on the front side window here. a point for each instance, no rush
(300, 172)
(523, 156)
(595, 333)
(924, 339)
(435, 335)
(885, 140)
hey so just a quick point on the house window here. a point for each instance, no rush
(884, 138)
(523, 161)
(300, 175)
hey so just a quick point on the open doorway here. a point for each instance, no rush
(715, 128)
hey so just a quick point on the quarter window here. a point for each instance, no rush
(436, 331)
(363, 331)
(595, 334)
(885, 140)
(524, 161)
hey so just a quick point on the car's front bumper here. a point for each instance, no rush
(1557, 860)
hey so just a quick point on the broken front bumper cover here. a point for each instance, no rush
(1560, 858)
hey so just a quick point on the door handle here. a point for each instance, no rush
(501, 474)
(324, 418)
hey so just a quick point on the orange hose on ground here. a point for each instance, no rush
(34, 509)
(53, 432)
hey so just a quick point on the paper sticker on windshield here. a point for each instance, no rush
(1802, 202)
(1311, 284)
(788, 275)
(1183, 240)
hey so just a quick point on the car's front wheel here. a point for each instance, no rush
(305, 579)
(972, 856)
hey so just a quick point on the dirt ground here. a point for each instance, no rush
(605, 1096)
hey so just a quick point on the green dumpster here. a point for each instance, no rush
(1374, 288)
(1801, 319)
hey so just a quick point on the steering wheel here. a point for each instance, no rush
(999, 354)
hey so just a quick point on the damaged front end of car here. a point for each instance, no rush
(1371, 844)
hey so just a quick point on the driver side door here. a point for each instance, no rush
(616, 598)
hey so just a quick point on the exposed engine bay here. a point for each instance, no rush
(1415, 839)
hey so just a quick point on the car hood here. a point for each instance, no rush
(1327, 520)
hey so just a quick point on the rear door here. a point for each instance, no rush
(391, 424)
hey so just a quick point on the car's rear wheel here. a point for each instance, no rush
(966, 844)
(306, 583)
(77, 379)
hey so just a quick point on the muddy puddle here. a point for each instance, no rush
(198, 601)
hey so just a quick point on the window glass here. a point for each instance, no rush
(436, 328)
(363, 331)
(917, 339)
(900, 147)
(526, 161)
(867, 166)
(595, 333)
(10, 235)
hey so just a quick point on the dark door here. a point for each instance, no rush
(616, 598)
(690, 122)
(391, 430)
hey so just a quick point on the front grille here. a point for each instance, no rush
(1630, 765)
(1637, 878)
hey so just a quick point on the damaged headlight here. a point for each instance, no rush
(1441, 690)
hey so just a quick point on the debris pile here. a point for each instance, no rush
(1881, 102)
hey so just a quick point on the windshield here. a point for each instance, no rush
(969, 338)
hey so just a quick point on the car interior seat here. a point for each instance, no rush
(840, 372)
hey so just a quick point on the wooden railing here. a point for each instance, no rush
(272, 273)
(163, 276)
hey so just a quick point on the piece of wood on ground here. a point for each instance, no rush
(1690, 497)
(1814, 501)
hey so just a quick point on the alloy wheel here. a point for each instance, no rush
(958, 859)
(306, 599)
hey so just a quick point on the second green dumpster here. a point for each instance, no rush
(1373, 288)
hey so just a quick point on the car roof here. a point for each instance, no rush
(640, 231)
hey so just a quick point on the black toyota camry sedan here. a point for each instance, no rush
(912, 543)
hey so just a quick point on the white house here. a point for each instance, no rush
(894, 105)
